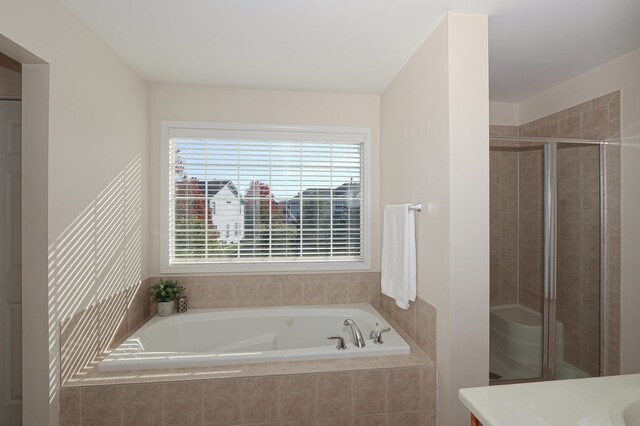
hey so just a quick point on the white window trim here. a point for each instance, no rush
(257, 267)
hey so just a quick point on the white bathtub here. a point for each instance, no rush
(209, 337)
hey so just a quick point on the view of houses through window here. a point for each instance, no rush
(243, 200)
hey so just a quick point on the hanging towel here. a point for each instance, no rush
(398, 278)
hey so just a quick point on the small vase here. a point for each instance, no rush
(165, 308)
(182, 304)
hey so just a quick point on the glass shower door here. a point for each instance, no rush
(578, 234)
(546, 228)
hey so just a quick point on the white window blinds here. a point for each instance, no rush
(273, 197)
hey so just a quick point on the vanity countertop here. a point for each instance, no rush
(583, 402)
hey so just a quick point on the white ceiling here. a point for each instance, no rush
(354, 46)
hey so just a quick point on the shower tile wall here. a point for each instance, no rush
(596, 119)
(578, 295)
(504, 224)
(578, 227)
(531, 229)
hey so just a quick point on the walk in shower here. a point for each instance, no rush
(546, 283)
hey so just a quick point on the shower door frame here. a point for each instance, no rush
(551, 254)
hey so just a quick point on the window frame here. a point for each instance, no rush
(331, 133)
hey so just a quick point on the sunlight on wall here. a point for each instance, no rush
(95, 273)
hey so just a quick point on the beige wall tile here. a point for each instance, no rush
(406, 318)
(428, 418)
(404, 419)
(590, 187)
(198, 296)
(306, 422)
(335, 395)
(570, 128)
(374, 292)
(428, 388)
(595, 123)
(270, 294)
(371, 420)
(222, 402)
(580, 108)
(101, 405)
(259, 400)
(222, 296)
(142, 404)
(404, 390)
(336, 421)
(70, 407)
(314, 294)
(293, 294)
(182, 403)
(590, 161)
(503, 130)
(614, 129)
(337, 292)
(422, 330)
(297, 397)
(358, 292)
(531, 166)
(370, 392)
(246, 295)
(532, 133)
(531, 196)
(549, 130)
(613, 192)
(569, 162)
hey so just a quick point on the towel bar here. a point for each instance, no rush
(417, 207)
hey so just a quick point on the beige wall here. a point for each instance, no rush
(97, 166)
(210, 104)
(434, 121)
(619, 74)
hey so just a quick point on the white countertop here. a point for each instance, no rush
(583, 402)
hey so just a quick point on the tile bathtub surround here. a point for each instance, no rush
(86, 335)
(402, 396)
(241, 291)
(416, 358)
(418, 322)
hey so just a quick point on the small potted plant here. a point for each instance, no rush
(165, 292)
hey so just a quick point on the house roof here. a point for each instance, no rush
(212, 187)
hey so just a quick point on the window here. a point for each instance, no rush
(297, 198)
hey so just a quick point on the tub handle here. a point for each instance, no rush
(340, 344)
(376, 336)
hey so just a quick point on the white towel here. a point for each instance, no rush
(398, 278)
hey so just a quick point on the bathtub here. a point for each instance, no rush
(210, 337)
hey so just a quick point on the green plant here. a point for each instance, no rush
(166, 291)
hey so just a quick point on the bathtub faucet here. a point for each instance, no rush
(357, 335)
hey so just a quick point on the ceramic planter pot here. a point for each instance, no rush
(165, 308)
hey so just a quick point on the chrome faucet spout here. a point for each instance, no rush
(358, 340)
